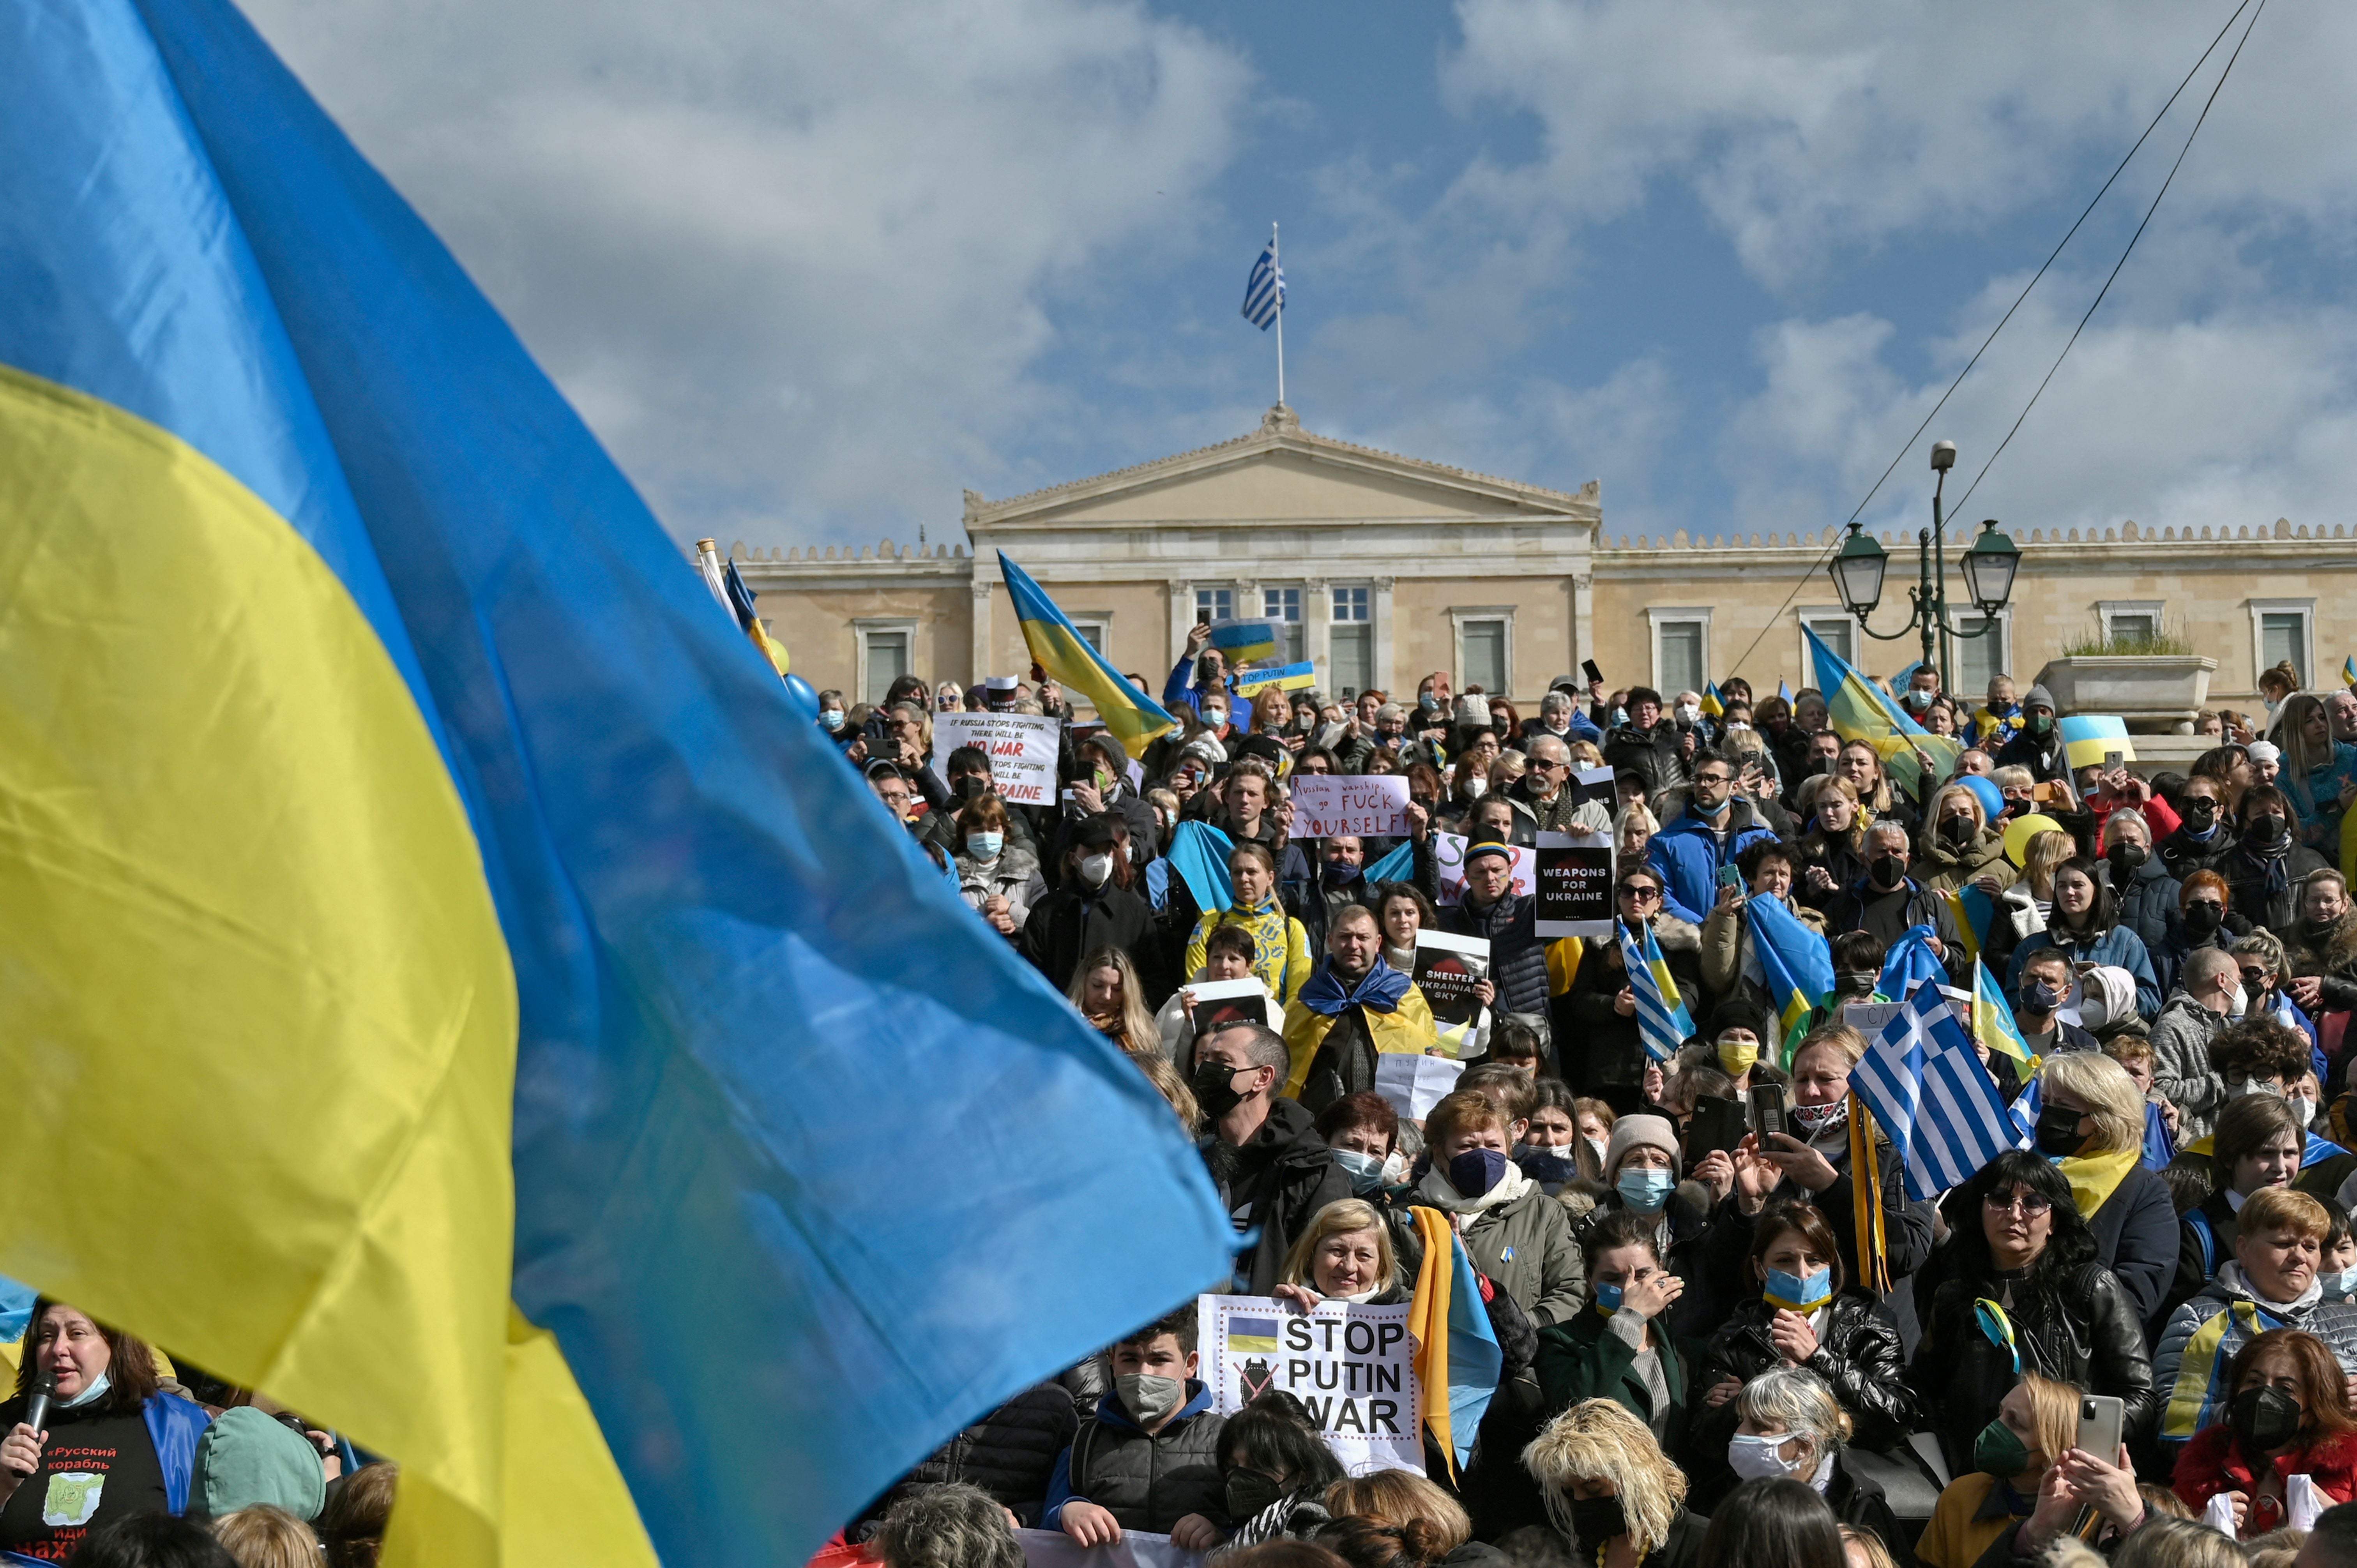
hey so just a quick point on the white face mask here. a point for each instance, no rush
(1215, 717)
(1475, 787)
(1688, 713)
(1756, 1458)
(1095, 868)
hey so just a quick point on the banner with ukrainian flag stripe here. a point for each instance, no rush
(377, 789)
(1244, 641)
(1860, 710)
(2088, 738)
(1284, 677)
(1129, 716)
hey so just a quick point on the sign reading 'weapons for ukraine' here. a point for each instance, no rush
(1353, 1367)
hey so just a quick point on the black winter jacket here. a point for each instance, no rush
(1010, 1454)
(2084, 1333)
(1653, 753)
(2148, 903)
(1857, 1356)
(1071, 923)
(1518, 964)
(1598, 1049)
(1281, 1175)
(2184, 854)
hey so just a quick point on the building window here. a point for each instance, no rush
(1215, 604)
(2129, 621)
(1283, 606)
(1979, 660)
(1093, 630)
(2281, 631)
(1485, 647)
(1838, 631)
(886, 652)
(1352, 642)
(1681, 649)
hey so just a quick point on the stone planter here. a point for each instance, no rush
(2156, 694)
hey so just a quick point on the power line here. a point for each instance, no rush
(2085, 213)
(2100, 293)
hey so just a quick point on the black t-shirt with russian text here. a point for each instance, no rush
(94, 1469)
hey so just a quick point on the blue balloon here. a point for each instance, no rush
(1992, 798)
(803, 696)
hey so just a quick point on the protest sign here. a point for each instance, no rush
(1330, 805)
(1021, 748)
(1219, 1003)
(1574, 885)
(1449, 850)
(1870, 1018)
(1449, 971)
(1352, 1368)
(1413, 1083)
(1135, 1549)
(1596, 784)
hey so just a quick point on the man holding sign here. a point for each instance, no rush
(1492, 908)
(1355, 1008)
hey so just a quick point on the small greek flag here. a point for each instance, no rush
(1662, 1022)
(1929, 1092)
(1264, 290)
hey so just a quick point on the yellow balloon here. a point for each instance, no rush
(2021, 830)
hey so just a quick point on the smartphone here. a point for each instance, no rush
(1203, 617)
(2042, 793)
(2100, 1420)
(2114, 761)
(1731, 876)
(1595, 676)
(1768, 1111)
(1716, 1126)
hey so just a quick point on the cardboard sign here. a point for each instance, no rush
(1448, 969)
(1021, 748)
(1352, 1367)
(1574, 885)
(1597, 784)
(1330, 805)
(1054, 1549)
(1449, 850)
(1411, 1084)
(1870, 1018)
(1219, 1003)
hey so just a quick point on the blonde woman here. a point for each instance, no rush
(1959, 845)
(1611, 1491)
(2091, 1125)
(1164, 1077)
(1833, 849)
(2022, 909)
(2037, 1423)
(1399, 1506)
(265, 1536)
(1345, 1252)
(1106, 990)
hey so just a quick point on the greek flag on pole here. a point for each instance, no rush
(1929, 1092)
(1662, 1022)
(1264, 290)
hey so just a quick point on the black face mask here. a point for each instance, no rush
(1595, 1520)
(2127, 856)
(1249, 1491)
(2203, 918)
(2057, 1131)
(2200, 814)
(2264, 1420)
(2267, 832)
(1887, 870)
(1956, 832)
(1214, 1084)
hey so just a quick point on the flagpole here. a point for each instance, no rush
(1275, 261)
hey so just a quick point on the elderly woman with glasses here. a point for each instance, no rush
(2024, 1293)
(1600, 1009)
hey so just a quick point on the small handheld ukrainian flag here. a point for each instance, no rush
(1662, 1021)
(1130, 715)
(1993, 1023)
(2349, 670)
(1713, 706)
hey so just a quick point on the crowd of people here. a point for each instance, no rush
(1748, 1348)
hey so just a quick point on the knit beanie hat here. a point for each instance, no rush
(246, 1457)
(2040, 697)
(1640, 1133)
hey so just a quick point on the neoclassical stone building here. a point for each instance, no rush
(1383, 568)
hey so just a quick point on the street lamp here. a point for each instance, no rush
(1989, 568)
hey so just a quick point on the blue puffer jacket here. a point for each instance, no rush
(1688, 853)
(2116, 946)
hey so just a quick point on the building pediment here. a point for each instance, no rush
(1280, 474)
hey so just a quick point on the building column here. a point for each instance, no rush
(1583, 620)
(1182, 621)
(1317, 631)
(981, 666)
(1386, 675)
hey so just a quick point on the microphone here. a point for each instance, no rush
(37, 1404)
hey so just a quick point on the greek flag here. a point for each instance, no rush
(1264, 290)
(1928, 1090)
(1662, 1022)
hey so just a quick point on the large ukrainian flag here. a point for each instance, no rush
(415, 900)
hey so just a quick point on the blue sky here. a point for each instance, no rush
(812, 269)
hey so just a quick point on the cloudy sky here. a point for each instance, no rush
(810, 269)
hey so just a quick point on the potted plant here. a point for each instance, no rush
(2152, 679)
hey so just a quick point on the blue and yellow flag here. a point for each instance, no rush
(1862, 710)
(1713, 706)
(1782, 690)
(1130, 717)
(1284, 677)
(377, 786)
(1244, 641)
(2349, 670)
(2087, 738)
(1458, 1361)
(1797, 962)
(1993, 1023)
(1974, 909)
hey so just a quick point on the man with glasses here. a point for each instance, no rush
(1546, 792)
(1715, 826)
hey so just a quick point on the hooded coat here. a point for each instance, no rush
(1945, 868)
(2204, 1333)
(2180, 1065)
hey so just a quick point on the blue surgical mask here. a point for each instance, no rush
(1799, 1292)
(1340, 874)
(985, 846)
(1607, 1299)
(2340, 1282)
(1645, 1190)
(830, 719)
(1476, 1171)
(1365, 1171)
(97, 1390)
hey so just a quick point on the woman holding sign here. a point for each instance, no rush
(1280, 945)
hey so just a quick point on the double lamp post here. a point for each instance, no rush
(1988, 566)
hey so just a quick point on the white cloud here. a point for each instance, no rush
(792, 260)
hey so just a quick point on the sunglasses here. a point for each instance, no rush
(2031, 1204)
(1641, 895)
